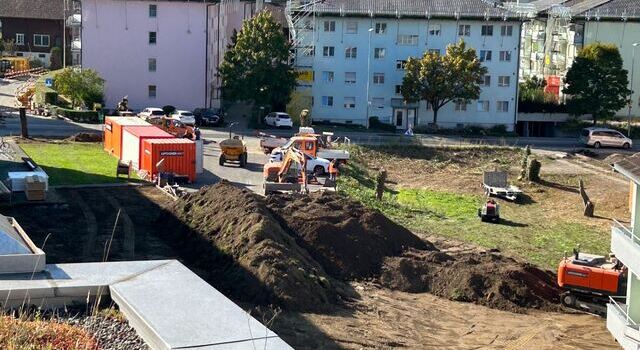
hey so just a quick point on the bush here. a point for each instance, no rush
(168, 110)
(90, 117)
(35, 63)
(50, 97)
(499, 130)
(375, 123)
(528, 106)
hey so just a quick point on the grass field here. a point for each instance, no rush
(74, 163)
(445, 203)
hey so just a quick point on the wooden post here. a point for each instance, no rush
(24, 131)
(588, 205)
(380, 179)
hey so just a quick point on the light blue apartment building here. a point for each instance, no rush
(356, 50)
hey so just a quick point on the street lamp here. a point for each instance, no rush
(368, 77)
(633, 63)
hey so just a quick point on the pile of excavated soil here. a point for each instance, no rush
(85, 137)
(347, 239)
(233, 241)
(295, 251)
(483, 277)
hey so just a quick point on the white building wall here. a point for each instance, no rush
(223, 19)
(115, 42)
(623, 34)
(447, 116)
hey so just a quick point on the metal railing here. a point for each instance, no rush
(626, 231)
(622, 309)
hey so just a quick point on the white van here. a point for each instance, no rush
(602, 137)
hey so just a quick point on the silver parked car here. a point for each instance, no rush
(603, 137)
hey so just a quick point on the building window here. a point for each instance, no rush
(153, 11)
(401, 64)
(483, 106)
(398, 89)
(349, 102)
(434, 29)
(505, 56)
(407, 40)
(379, 53)
(504, 80)
(350, 77)
(487, 30)
(152, 65)
(486, 80)
(352, 28)
(381, 28)
(328, 51)
(308, 51)
(41, 40)
(464, 30)
(377, 102)
(436, 51)
(19, 39)
(485, 55)
(152, 91)
(329, 26)
(327, 77)
(503, 106)
(506, 30)
(327, 101)
(378, 78)
(461, 106)
(351, 52)
(153, 38)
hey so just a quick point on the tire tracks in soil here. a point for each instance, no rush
(92, 225)
(129, 242)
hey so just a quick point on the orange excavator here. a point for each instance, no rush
(288, 175)
(589, 280)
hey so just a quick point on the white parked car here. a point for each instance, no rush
(278, 120)
(318, 166)
(185, 117)
(603, 137)
(151, 113)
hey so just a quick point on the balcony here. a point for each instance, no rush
(626, 246)
(622, 328)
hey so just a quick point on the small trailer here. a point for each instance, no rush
(495, 184)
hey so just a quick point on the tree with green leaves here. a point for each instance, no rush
(440, 79)
(596, 82)
(80, 86)
(256, 67)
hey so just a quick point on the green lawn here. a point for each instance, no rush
(74, 163)
(453, 215)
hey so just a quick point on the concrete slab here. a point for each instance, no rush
(186, 312)
(169, 306)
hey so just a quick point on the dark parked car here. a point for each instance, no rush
(208, 116)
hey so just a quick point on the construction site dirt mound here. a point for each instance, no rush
(347, 239)
(482, 277)
(236, 244)
(297, 250)
(85, 137)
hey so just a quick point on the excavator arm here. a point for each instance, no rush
(286, 180)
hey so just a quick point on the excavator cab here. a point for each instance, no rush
(588, 280)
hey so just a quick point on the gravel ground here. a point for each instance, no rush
(111, 333)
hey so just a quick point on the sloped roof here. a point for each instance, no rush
(629, 167)
(415, 8)
(36, 9)
(614, 9)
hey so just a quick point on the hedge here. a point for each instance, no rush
(541, 107)
(90, 117)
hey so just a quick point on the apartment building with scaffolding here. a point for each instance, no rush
(351, 55)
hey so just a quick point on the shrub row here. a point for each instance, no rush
(90, 117)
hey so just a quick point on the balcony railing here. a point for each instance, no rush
(626, 231)
(621, 307)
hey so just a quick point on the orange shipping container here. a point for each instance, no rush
(179, 156)
(112, 130)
